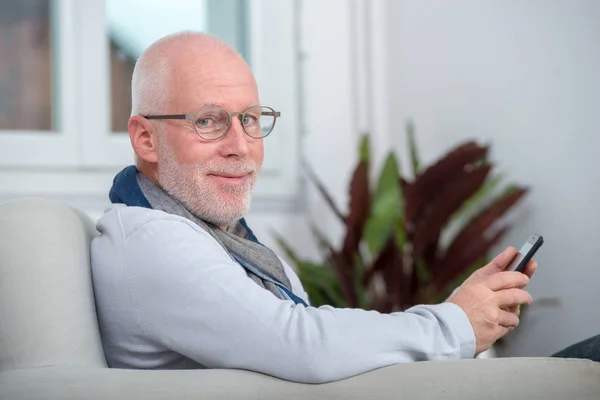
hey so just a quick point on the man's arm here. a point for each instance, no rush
(193, 299)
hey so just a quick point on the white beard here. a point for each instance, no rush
(219, 204)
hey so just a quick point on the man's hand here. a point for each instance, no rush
(491, 297)
(499, 264)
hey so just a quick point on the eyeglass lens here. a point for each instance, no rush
(212, 122)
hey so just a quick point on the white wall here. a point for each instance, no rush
(523, 75)
(331, 113)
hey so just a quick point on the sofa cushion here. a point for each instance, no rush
(47, 312)
(514, 379)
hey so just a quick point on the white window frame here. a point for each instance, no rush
(275, 71)
(101, 148)
(79, 161)
(57, 148)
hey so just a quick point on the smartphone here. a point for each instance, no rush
(533, 243)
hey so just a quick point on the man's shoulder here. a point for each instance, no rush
(126, 220)
(139, 237)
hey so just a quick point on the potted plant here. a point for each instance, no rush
(409, 238)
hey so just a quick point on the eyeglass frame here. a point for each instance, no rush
(230, 115)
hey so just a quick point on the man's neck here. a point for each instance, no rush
(148, 170)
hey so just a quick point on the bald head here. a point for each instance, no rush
(165, 64)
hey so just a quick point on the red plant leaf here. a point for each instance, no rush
(389, 264)
(444, 204)
(394, 279)
(430, 254)
(444, 170)
(404, 185)
(475, 251)
(360, 202)
(344, 272)
(326, 196)
(479, 224)
(383, 259)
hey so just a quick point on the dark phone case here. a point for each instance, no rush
(527, 257)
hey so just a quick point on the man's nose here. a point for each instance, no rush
(236, 143)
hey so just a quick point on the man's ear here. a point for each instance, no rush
(143, 138)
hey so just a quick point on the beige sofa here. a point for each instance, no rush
(50, 343)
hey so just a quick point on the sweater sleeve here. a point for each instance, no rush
(297, 286)
(191, 298)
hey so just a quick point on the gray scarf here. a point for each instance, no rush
(261, 264)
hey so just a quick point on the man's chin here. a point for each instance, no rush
(227, 210)
(223, 219)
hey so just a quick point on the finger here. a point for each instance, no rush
(503, 330)
(507, 319)
(512, 297)
(506, 280)
(530, 268)
(500, 262)
(513, 309)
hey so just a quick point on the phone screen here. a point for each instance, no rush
(524, 250)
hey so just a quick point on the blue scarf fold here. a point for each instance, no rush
(134, 189)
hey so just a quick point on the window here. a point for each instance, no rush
(36, 49)
(26, 51)
(131, 32)
(65, 91)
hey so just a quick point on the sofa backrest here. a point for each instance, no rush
(47, 311)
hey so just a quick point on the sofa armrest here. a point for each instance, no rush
(515, 378)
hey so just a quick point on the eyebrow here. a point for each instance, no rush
(220, 105)
(211, 104)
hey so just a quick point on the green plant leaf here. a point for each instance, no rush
(400, 232)
(386, 209)
(421, 270)
(321, 284)
(364, 148)
(319, 281)
(412, 146)
(361, 290)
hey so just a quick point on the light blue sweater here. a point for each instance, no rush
(169, 297)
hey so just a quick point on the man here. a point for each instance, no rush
(181, 281)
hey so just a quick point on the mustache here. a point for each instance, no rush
(233, 168)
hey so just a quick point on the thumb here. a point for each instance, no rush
(500, 262)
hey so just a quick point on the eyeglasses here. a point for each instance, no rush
(212, 123)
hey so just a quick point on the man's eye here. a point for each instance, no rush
(204, 122)
(249, 119)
